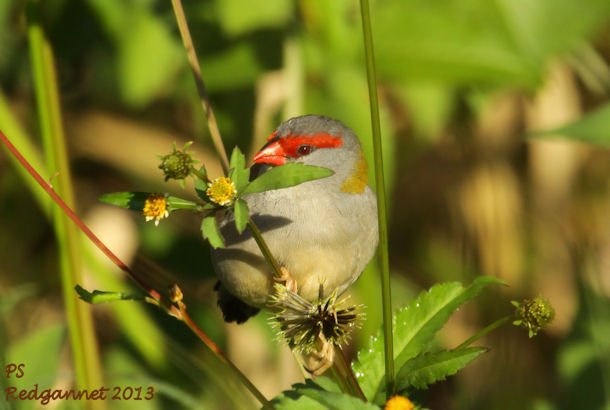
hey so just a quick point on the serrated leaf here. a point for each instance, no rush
(239, 174)
(418, 329)
(286, 176)
(429, 368)
(210, 231)
(335, 401)
(414, 328)
(241, 215)
(318, 397)
(201, 187)
(292, 400)
(129, 200)
(593, 128)
(238, 160)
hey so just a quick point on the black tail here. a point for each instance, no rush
(233, 309)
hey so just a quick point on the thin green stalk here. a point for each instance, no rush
(126, 314)
(153, 296)
(386, 296)
(203, 95)
(82, 335)
(11, 126)
(260, 241)
(595, 308)
(212, 124)
(483, 332)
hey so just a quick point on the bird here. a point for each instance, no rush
(322, 232)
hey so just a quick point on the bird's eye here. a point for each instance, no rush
(304, 150)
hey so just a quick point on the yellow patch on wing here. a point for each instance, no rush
(356, 182)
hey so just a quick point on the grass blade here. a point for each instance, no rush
(82, 336)
(386, 297)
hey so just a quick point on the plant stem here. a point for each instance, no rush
(203, 94)
(199, 175)
(82, 335)
(153, 294)
(213, 125)
(386, 295)
(10, 125)
(219, 353)
(72, 215)
(345, 372)
(260, 241)
(498, 323)
(125, 314)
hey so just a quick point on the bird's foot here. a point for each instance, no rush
(317, 362)
(287, 279)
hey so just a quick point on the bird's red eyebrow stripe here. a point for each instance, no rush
(291, 143)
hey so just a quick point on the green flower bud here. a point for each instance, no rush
(177, 165)
(534, 315)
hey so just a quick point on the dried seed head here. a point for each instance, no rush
(303, 324)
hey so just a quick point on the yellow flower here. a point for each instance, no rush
(222, 191)
(399, 403)
(155, 207)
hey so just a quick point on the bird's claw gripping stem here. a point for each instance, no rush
(287, 279)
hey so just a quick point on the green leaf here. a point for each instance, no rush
(238, 17)
(241, 215)
(333, 400)
(175, 203)
(129, 200)
(239, 174)
(291, 400)
(312, 395)
(210, 231)
(149, 58)
(234, 68)
(593, 128)
(445, 51)
(201, 185)
(286, 176)
(429, 368)
(16, 294)
(431, 311)
(40, 353)
(98, 296)
(414, 328)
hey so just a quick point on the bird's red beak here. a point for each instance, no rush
(272, 153)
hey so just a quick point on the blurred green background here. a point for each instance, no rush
(464, 85)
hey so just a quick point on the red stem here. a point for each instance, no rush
(68, 211)
(178, 312)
